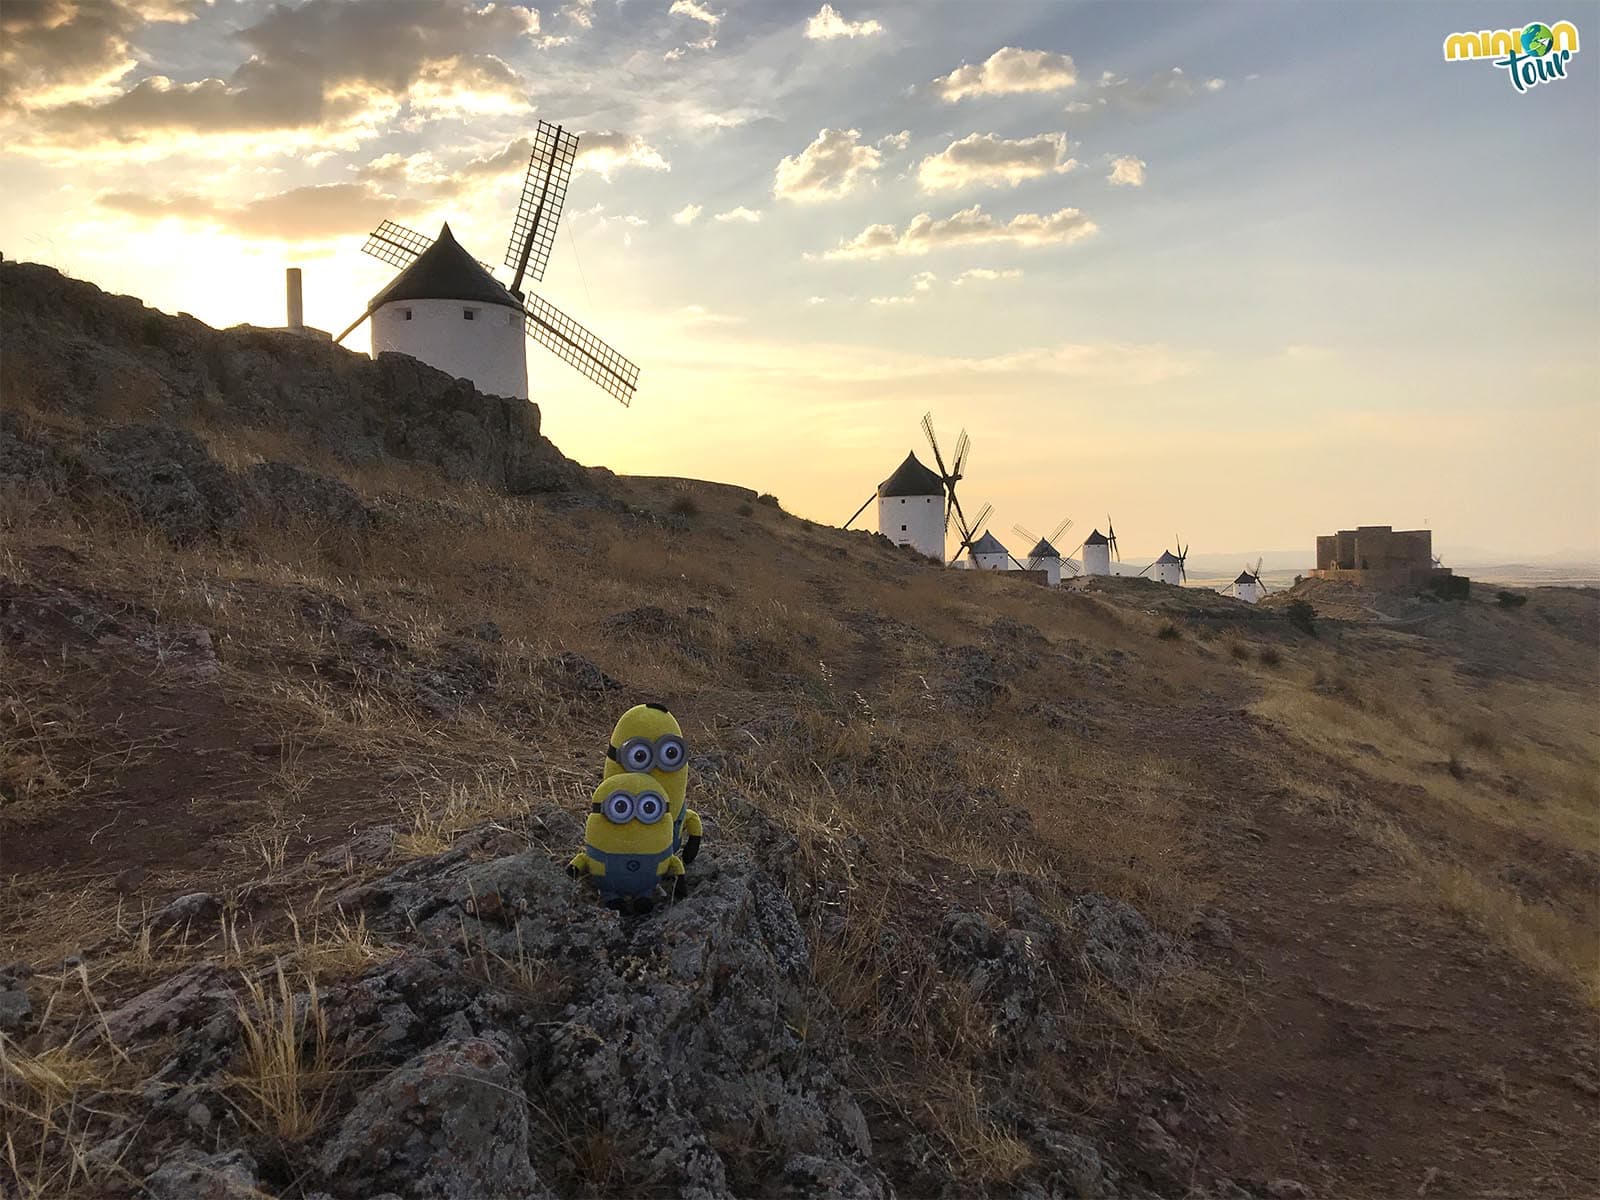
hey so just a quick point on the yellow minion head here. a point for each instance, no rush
(648, 740)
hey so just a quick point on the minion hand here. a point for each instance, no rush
(579, 866)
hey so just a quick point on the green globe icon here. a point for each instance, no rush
(1537, 40)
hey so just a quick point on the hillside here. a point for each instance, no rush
(309, 666)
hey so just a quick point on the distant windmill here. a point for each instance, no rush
(1045, 557)
(447, 310)
(1098, 549)
(1248, 587)
(1170, 567)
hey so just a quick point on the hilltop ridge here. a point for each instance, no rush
(1127, 890)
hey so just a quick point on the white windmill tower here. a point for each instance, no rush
(1098, 549)
(1045, 557)
(447, 310)
(990, 554)
(916, 504)
(1170, 567)
(911, 508)
(1248, 587)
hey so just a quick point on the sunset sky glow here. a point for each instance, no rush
(1245, 272)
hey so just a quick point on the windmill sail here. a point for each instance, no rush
(580, 349)
(544, 190)
(395, 244)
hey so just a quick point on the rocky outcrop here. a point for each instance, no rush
(68, 347)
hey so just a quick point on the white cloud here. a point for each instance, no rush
(1127, 171)
(814, 300)
(895, 141)
(923, 281)
(892, 301)
(608, 151)
(987, 160)
(1007, 71)
(829, 168)
(987, 275)
(580, 13)
(828, 24)
(696, 11)
(747, 216)
(687, 214)
(1166, 90)
(969, 227)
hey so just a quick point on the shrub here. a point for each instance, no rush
(1269, 656)
(769, 500)
(1511, 599)
(1302, 616)
(1457, 768)
(684, 506)
(1169, 632)
(746, 509)
(1240, 651)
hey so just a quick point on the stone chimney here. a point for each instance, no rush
(297, 312)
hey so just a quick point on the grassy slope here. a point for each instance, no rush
(1451, 764)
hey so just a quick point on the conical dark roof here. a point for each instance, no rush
(444, 271)
(1096, 539)
(1245, 577)
(988, 544)
(1044, 550)
(1167, 556)
(911, 478)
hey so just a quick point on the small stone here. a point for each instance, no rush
(1288, 1189)
(198, 1115)
(16, 1012)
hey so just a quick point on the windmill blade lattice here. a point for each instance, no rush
(395, 244)
(580, 349)
(544, 190)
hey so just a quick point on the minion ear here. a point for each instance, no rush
(658, 707)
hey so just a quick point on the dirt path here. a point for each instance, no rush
(1388, 1050)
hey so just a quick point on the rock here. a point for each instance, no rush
(198, 1115)
(286, 495)
(16, 1012)
(451, 1124)
(187, 998)
(373, 844)
(1119, 943)
(573, 673)
(166, 477)
(194, 1176)
(1288, 1189)
(1210, 926)
(195, 908)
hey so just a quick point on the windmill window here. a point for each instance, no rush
(406, 314)
(902, 529)
(469, 314)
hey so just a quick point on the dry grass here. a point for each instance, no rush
(288, 1069)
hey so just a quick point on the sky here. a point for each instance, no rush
(1243, 273)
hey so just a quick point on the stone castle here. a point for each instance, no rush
(1380, 556)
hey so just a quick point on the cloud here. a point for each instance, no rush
(580, 13)
(55, 52)
(1127, 171)
(895, 141)
(987, 160)
(1008, 71)
(301, 214)
(1166, 90)
(747, 216)
(695, 11)
(609, 151)
(987, 275)
(828, 169)
(892, 301)
(828, 25)
(687, 215)
(969, 227)
(923, 281)
(325, 66)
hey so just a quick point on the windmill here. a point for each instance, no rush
(1044, 556)
(1248, 587)
(1098, 549)
(984, 550)
(1170, 567)
(911, 508)
(425, 310)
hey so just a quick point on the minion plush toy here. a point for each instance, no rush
(627, 841)
(647, 738)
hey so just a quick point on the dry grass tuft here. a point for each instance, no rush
(288, 1070)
